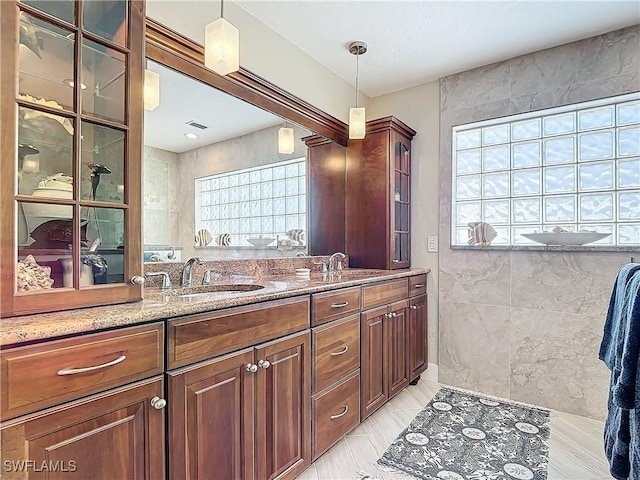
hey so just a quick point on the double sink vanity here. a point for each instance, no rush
(254, 378)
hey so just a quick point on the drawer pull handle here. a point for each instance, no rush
(346, 409)
(339, 305)
(418, 285)
(73, 371)
(341, 352)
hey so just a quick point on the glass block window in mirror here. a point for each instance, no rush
(261, 203)
(574, 168)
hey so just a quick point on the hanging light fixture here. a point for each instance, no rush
(357, 121)
(286, 140)
(221, 45)
(151, 90)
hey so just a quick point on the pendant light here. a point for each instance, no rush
(221, 45)
(286, 140)
(151, 90)
(357, 121)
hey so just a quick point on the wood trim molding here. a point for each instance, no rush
(390, 122)
(176, 51)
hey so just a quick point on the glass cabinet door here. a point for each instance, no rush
(400, 251)
(75, 113)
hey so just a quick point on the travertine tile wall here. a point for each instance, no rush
(161, 197)
(522, 324)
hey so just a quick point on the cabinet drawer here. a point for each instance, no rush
(417, 285)
(335, 413)
(336, 351)
(38, 376)
(203, 336)
(382, 293)
(332, 305)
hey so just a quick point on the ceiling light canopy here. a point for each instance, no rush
(221, 46)
(357, 118)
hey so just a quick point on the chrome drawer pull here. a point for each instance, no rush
(72, 371)
(341, 352)
(339, 305)
(346, 409)
(418, 285)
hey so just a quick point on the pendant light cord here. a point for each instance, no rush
(357, 74)
(221, 8)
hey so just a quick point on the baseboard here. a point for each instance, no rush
(431, 373)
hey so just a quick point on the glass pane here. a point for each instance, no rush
(468, 187)
(404, 217)
(45, 154)
(106, 19)
(526, 210)
(629, 142)
(525, 130)
(559, 179)
(103, 72)
(629, 234)
(496, 211)
(62, 9)
(45, 63)
(518, 239)
(103, 164)
(629, 173)
(596, 118)
(629, 205)
(559, 150)
(559, 124)
(596, 146)
(628, 113)
(468, 162)
(526, 155)
(404, 188)
(495, 135)
(596, 207)
(45, 238)
(105, 229)
(596, 176)
(495, 185)
(560, 209)
(526, 182)
(495, 158)
(600, 228)
(468, 139)
(467, 212)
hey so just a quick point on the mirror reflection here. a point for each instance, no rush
(222, 178)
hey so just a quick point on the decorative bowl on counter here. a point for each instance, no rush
(565, 238)
(260, 241)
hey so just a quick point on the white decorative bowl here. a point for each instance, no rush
(565, 238)
(260, 242)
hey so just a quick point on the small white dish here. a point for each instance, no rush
(260, 241)
(303, 272)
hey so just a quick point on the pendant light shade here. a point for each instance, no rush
(151, 90)
(221, 46)
(357, 117)
(31, 164)
(286, 140)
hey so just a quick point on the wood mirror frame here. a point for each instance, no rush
(178, 52)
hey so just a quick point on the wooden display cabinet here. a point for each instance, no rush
(71, 110)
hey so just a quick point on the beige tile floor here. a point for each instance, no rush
(575, 444)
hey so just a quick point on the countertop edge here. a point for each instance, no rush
(48, 326)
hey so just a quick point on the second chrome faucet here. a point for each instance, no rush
(187, 271)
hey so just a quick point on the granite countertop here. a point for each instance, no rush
(161, 305)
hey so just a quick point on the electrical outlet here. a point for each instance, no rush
(432, 243)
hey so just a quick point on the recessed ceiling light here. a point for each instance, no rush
(190, 135)
(69, 83)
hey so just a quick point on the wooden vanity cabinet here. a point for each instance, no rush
(70, 106)
(384, 337)
(379, 176)
(246, 414)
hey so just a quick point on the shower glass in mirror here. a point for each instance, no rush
(102, 165)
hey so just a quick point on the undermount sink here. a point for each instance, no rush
(207, 289)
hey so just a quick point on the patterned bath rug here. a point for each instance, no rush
(463, 436)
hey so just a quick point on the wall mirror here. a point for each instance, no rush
(218, 181)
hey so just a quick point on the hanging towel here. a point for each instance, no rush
(620, 351)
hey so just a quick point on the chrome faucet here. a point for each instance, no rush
(332, 258)
(187, 269)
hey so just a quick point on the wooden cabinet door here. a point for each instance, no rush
(116, 434)
(418, 339)
(398, 374)
(372, 353)
(211, 411)
(283, 401)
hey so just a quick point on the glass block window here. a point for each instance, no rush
(263, 201)
(576, 167)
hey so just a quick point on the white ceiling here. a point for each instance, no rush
(183, 99)
(416, 41)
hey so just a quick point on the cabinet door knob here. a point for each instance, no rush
(413, 307)
(342, 414)
(251, 368)
(394, 314)
(137, 280)
(264, 363)
(158, 403)
(395, 260)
